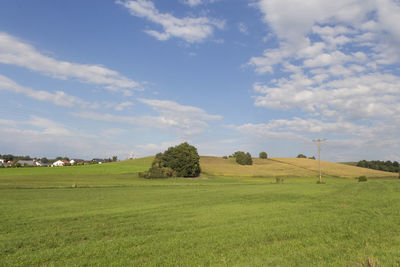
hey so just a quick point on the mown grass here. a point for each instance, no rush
(121, 220)
(337, 224)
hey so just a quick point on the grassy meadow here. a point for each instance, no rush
(231, 216)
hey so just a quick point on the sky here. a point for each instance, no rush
(91, 78)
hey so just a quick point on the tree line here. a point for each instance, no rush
(388, 165)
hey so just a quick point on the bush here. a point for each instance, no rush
(279, 180)
(225, 157)
(243, 158)
(263, 155)
(362, 179)
(301, 156)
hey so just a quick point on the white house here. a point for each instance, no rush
(72, 162)
(58, 163)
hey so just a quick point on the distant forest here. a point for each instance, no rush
(380, 165)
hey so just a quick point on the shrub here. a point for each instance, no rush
(243, 158)
(279, 180)
(225, 157)
(263, 155)
(362, 179)
(301, 156)
(320, 182)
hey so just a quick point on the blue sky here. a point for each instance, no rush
(102, 78)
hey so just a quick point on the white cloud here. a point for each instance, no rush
(191, 29)
(15, 52)
(42, 137)
(152, 149)
(58, 98)
(186, 121)
(371, 96)
(243, 28)
(336, 63)
(49, 127)
(193, 3)
(294, 21)
(123, 105)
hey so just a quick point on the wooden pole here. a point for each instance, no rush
(319, 157)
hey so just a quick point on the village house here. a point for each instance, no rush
(58, 163)
(76, 162)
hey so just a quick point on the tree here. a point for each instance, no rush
(263, 155)
(183, 160)
(114, 158)
(243, 158)
(301, 156)
(44, 160)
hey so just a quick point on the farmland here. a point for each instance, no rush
(231, 215)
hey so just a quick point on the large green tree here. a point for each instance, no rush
(183, 160)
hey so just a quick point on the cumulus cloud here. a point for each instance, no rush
(16, 52)
(190, 29)
(331, 69)
(58, 98)
(335, 62)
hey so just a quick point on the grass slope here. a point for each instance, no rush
(96, 175)
(286, 167)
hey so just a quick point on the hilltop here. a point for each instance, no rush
(285, 167)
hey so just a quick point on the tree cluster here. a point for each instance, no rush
(302, 156)
(9, 157)
(388, 166)
(243, 158)
(180, 161)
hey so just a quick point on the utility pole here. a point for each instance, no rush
(319, 157)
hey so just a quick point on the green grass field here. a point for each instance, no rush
(115, 218)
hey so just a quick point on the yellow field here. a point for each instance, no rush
(285, 167)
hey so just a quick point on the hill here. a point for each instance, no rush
(125, 173)
(285, 167)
